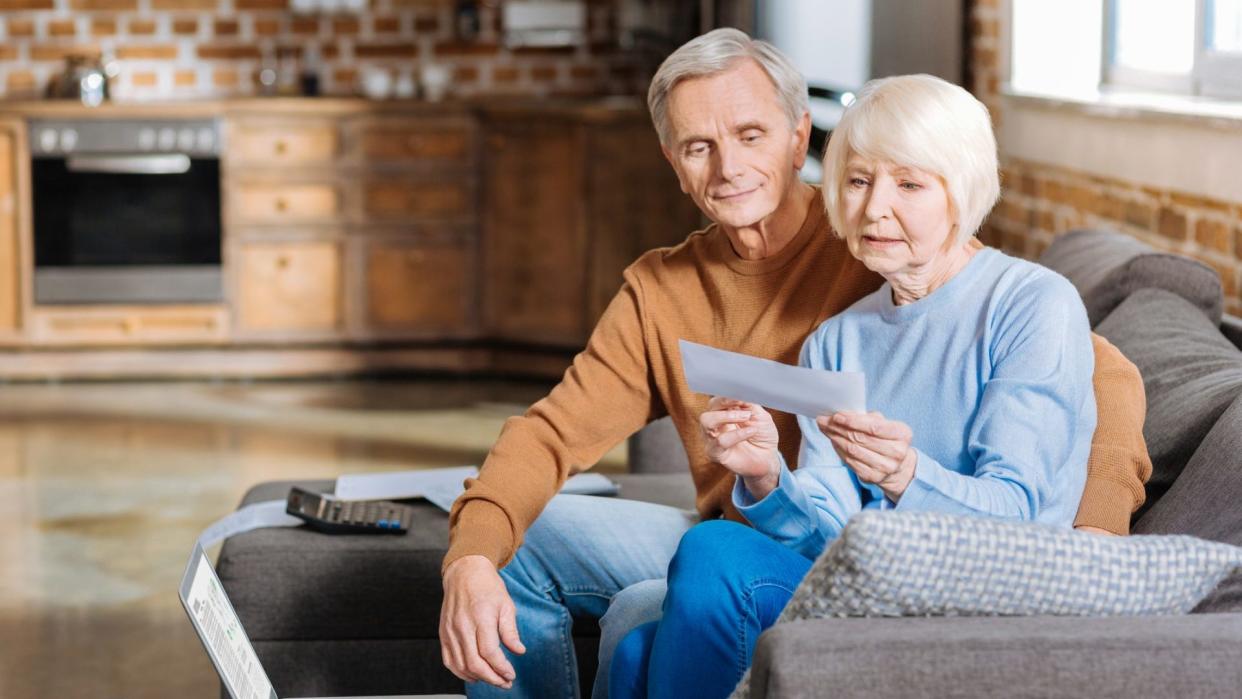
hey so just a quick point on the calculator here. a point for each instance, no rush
(331, 516)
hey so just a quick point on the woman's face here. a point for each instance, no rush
(896, 218)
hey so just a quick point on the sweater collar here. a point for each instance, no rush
(814, 224)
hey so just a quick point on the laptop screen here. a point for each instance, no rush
(221, 631)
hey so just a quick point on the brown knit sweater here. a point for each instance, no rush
(630, 374)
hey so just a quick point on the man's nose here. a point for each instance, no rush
(728, 161)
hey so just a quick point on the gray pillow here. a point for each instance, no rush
(936, 564)
(1204, 500)
(1191, 374)
(1106, 267)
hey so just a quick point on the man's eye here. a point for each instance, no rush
(750, 138)
(700, 149)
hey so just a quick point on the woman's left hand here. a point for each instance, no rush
(875, 448)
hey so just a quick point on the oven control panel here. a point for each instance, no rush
(59, 138)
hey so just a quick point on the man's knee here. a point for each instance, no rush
(633, 606)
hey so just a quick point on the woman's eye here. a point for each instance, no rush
(911, 186)
(857, 182)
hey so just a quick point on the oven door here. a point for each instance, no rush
(127, 229)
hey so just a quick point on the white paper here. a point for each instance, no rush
(439, 486)
(399, 485)
(442, 486)
(792, 389)
(269, 513)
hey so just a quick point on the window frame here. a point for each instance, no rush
(1213, 73)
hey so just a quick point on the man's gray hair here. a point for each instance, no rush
(716, 52)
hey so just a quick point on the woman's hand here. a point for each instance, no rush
(742, 437)
(875, 448)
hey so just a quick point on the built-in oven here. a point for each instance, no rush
(126, 211)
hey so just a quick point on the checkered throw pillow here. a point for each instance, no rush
(932, 564)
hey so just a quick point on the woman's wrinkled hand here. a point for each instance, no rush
(742, 437)
(875, 448)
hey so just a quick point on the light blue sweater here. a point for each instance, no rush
(992, 372)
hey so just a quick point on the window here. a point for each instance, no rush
(1185, 46)
(1188, 47)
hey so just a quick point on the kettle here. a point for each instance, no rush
(83, 79)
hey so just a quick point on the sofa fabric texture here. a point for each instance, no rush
(1106, 267)
(1191, 375)
(1041, 657)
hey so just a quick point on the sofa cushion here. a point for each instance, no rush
(1106, 267)
(936, 564)
(891, 564)
(1191, 374)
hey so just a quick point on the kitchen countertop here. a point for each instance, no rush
(599, 108)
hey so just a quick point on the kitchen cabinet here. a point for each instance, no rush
(75, 326)
(370, 236)
(569, 201)
(415, 289)
(10, 197)
(288, 289)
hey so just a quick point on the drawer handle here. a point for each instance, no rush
(281, 147)
(128, 326)
(282, 262)
(282, 205)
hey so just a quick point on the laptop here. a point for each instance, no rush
(222, 634)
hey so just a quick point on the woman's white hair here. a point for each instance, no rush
(716, 52)
(924, 122)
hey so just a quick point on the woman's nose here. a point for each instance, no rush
(879, 201)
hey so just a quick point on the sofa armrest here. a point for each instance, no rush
(1197, 655)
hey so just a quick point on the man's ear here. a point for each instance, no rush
(668, 155)
(802, 140)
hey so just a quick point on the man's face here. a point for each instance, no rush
(732, 146)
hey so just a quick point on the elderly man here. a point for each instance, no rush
(733, 121)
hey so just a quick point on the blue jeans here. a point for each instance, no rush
(726, 584)
(585, 557)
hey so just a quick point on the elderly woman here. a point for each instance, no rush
(978, 369)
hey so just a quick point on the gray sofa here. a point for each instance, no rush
(358, 615)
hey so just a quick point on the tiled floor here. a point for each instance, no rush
(104, 487)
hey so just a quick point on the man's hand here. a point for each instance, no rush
(476, 617)
(742, 437)
(875, 448)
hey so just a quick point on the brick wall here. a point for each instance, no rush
(204, 48)
(1041, 201)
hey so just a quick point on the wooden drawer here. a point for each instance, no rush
(84, 325)
(430, 143)
(285, 203)
(416, 288)
(288, 287)
(387, 200)
(277, 144)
